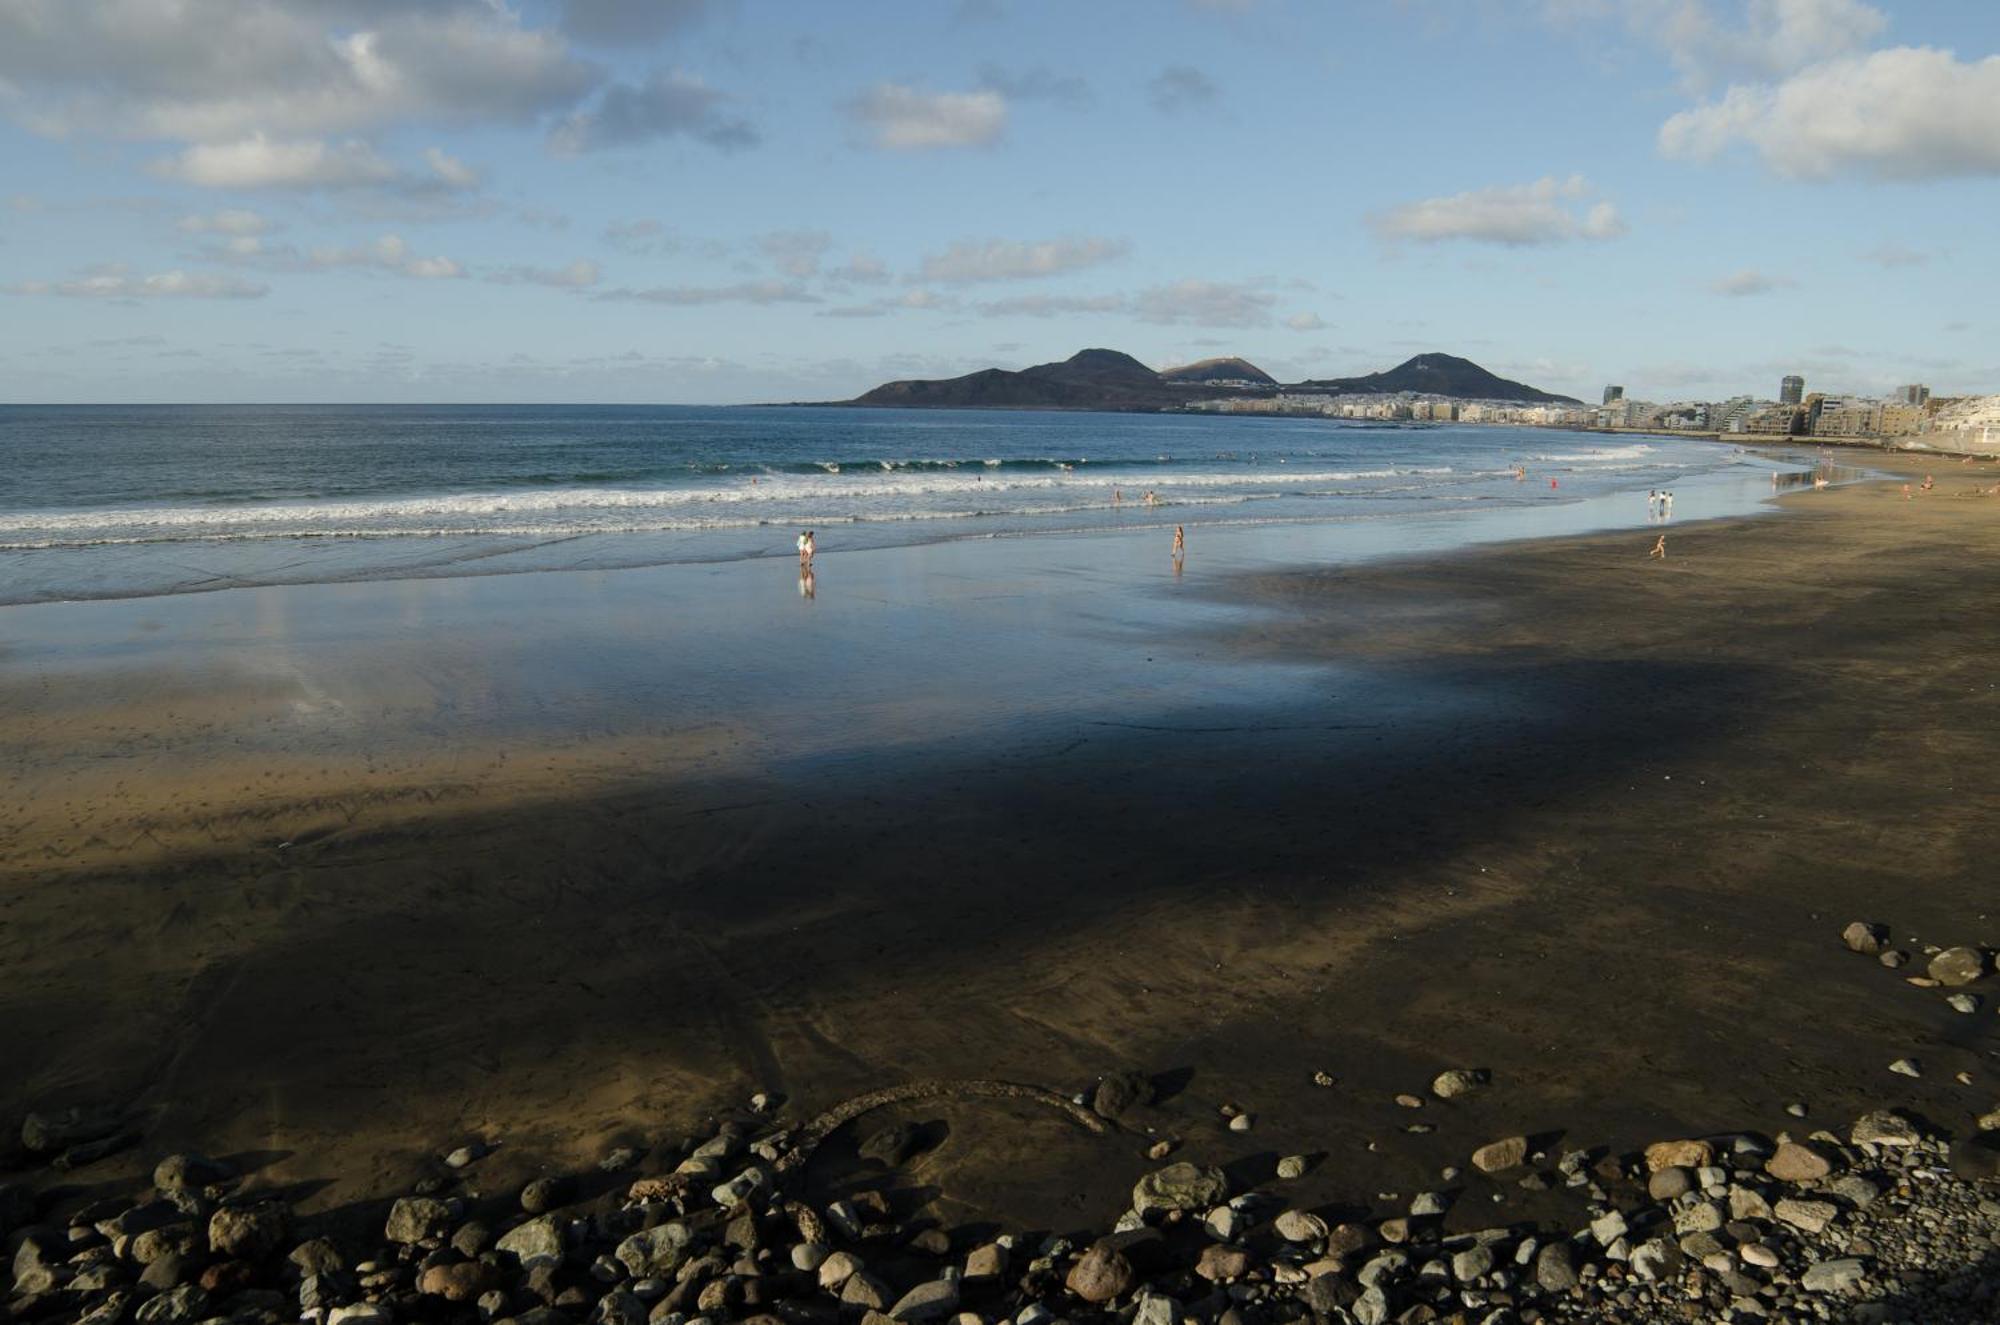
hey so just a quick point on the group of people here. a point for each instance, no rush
(1660, 504)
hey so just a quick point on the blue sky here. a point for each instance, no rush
(731, 200)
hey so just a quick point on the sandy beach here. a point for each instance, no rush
(340, 876)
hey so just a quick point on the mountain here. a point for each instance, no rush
(1109, 380)
(1230, 369)
(1439, 375)
(1089, 379)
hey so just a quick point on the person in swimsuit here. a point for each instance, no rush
(1180, 542)
(806, 548)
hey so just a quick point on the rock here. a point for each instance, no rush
(865, 1290)
(1242, 1122)
(1225, 1223)
(1654, 1260)
(1220, 1264)
(1865, 938)
(1957, 966)
(1976, 1158)
(1808, 1216)
(1990, 1122)
(168, 1240)
(1796, 1109)
(1908, 1067)
(809, 1256)
(837, 1269)
(1161, 1148)
(546, 1194)
(1346, 1239)
(741, 1187)
(1499, 1156)
(538, 1242)
(1156, 1309)
(48, 1133)
(1894, 959)
(655, 1253)
(1425, 1205)
(1799, 1161)
(1965, 1003)
(1410, 1101)
(250, 1232)
(926, 1302)
(1116, 1093)
(190, 1173)
(34, 1272)
(1884, 1127)
(415, 1219)
(987, 1261)
(1322, 1078)
(467, 1155)
(166, 1271)
(1472, 1262)
(1835, 1276)
(316, 1256)
(1457, 1081)
(466, 1281)
(1180, 1186)
(1608, 1227)
(620, 1159)
(176, 1306)
(471, 1238)
(1385, 1266)
(621, 1306)
(366, 1313)
(1292, 1166)
(1669, 1183)
(1372, 1307)
(1300, 1226)
(893, 1144)
(1686, 1154)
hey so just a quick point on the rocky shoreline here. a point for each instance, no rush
(1886, 1219)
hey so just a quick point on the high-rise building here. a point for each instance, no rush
(1914, 395)
(1613, 393)
(1792, 390)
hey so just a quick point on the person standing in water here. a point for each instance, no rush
(1180, 542)
(806, 548)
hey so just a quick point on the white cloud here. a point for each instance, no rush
(745, 292)
(215, 70)
(1751, 282)
(1181, 87)
(1305, 322)
(1204, 304)
(115, 282)
(1905, 113)
(1054, 305)
(861, 269)
(898, 117)
(1891, 256)
(1773, 37)
(970, 261)
(796, 252)
(259, 162)
(1548, 211)
(390, 254)
(230, 221)
(578, 275)
(668, 103)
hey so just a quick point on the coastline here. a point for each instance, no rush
(1541, 808)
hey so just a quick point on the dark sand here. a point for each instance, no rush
(1590, 822)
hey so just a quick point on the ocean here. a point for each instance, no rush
(128, 501)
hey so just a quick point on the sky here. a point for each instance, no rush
(718, 201)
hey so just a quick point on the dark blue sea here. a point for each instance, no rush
(121, 501)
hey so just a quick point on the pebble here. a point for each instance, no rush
(1965, 1003)
(1292, 1166)
(1908, 1067)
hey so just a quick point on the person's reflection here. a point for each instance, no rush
(808, 588)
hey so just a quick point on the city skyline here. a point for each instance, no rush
(730, 200)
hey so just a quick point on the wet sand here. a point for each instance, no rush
(302, 872)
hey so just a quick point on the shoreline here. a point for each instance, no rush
(1415, 839)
